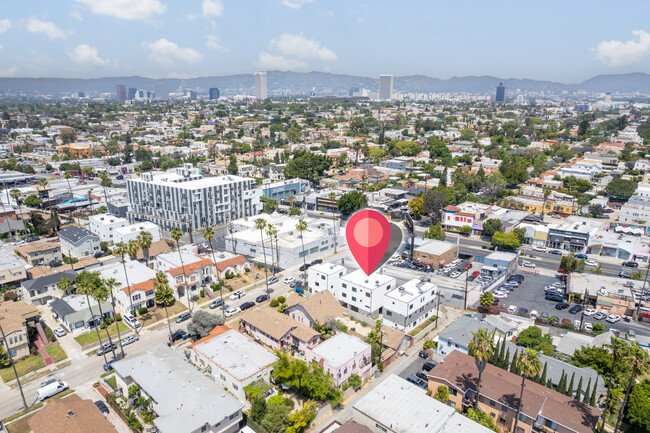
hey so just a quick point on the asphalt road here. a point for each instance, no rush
(530, 295)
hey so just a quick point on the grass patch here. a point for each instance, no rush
(63, 394)
(177, 308)
(423, 325)
(22, 412)
(22, 367)
(91, 337)
(20, 426)
(56, 352)
(147, 319)
(112, 382)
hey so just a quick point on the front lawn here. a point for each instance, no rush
(23, 367)
(112, 382)
(56, 352)
(91, 337)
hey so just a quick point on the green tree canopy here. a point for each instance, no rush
(506, 241)
(307, 165)
(620, 189)
(435, 231)
(351, 202)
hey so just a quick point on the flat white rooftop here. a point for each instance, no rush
(137, 273)
(340, 349)
(411, 290)
(370, 282)
(327, 268)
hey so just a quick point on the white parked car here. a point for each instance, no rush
(613, 318)
(534, 314)
(237, 295)
(454, 274)
(527, 264)
(540, 249)
(59, 332)
(589, 311)
(591, 262)
(501, 294)
(576, 324)
(587, 326)
(232, 311)
(289, 280)
(512, 309)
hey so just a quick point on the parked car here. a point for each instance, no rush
(561, 306)
(576, 324)
(261, 298)
(523, 311)
(59, 332)
(232, 311)
(178, 335)
(539, 249)
(534, 314)
(109, 365)
(555, 252)
(237, 295)
(32, 239)
(587, 326)
(589, 311)
(527, 264)
(501, 294)
(273, 280)
(316, 262)
(422, 375)
(613, 318)
(305, 266)
(183, 317)
(581, 256)
(518, 277)
(553, 297)
(591, 262)
(128, 340)
(476, 274)
(555, 319)
(417, 381)
(454, 274)
(471, 278)
(105, 348)
(288, 280)
(575, 309)
(565, 321)
(624, 273)
(544, 315)
(631, 264)
(101, 406)
(50, 389)
(246, 305)
(423, 354)
(131, 321)
(216, 303)
(512, 309)
(427, 366)
(600, 316)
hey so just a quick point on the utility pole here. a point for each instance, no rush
(438, 308)
(643, 289)
(11, 359)
(408, 222)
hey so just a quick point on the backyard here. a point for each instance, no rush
(91, 337)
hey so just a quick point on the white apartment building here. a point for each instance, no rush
(365, 294)
(104, 226)
(131, 232)
(140, 288)
(410, 304)
(184, 198)
(317, 239)
(325, 276)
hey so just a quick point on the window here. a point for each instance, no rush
(233, 416)
(222, 377)
(493, 403)
(381, 427)
(504, 408)
(451, 404)
(453, 391)
(523, 418)
(235, 386)
(322, 277)
(345, 286)
(389, 313)
(344, 295)
(367, 294)
(354, 299)
(550, 424)
(136, 297)
(354, 289)
(204, 428)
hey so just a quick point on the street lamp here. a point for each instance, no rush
(11, 359)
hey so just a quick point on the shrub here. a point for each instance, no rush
(143, 310)
(50, 334)
(118, 317)
(10, 295)
(274, 303)
(429, 344)
(202, 293)
(282, 299)
(598, 328)
(247, 270)
(567, 325)
(102, 325)
(230, 275)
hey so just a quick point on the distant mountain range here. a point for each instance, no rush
(323, 83)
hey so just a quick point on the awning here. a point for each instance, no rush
(442, 262)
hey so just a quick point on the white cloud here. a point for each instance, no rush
(212, 8)
(84, 54)
(214, 43)
(268, 61)
(295, 4)
(303, 48)
(191, 17)
(4, 25)
(9, 72)
(126, 9)
(623, 53)
(164, 52)
(76, 15)
(34, 25)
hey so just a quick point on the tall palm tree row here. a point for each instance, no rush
(164, 295)
(529, 365)
(208, 235)
(85, 286)
(111, 284)
(100, 294)
(144, 241)
(481, 348)
(301, 227)
(617, 347)
(177, 234)
(260, 224)
(272, 231)
(121, 249)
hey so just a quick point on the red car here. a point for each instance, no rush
(566, 321)
(476, 274)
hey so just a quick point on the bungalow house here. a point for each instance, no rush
(73, 313)
(40, 253)
(228, 262)
(319, 308)
(70, 415)
(40, 290)
(139, 291)
(278, 331)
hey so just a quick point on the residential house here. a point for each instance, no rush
(363, 293)
(325, 276)
(542, 409)
(40, 290)
(14, 317)
(398, 406)
(133, 288)
(70, 415)
(78, 242)
(409, 305)
(191, 272)
(228, 262)
(73, 313)
(185, 400)
(320, 308)
(278, 331)
(436, 253)
(232, 360)
(132, 231)
(40, 253)
(608, 147)
(342, 356)
(12, 270)
(104, 226)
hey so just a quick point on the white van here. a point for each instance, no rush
(131, 321)
(51, 388)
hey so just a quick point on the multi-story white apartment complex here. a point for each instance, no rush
(410, 304)
(365, 294)
(132, 231)
(184, 198)
(325, 276)
(104, 226)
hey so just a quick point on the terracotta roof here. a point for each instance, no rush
(237, 260)
(217, 330)
(84, 417)
(14, 314)
(459, 370)
(452, 209)
(190, 268)
(276, 324)
(144, 286)
(321, 307)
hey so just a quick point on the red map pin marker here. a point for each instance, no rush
(368, 233)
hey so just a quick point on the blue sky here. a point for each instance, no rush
(566, 41)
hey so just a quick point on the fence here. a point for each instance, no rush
(428, 328)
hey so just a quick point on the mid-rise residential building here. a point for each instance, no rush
(40, 253)
(14, 317)
(342, 356)
(185, 199)
(185, 400)
(12, 270)
(409, 305)
(104, 226)
(365, 293)
(132, 231)
(543, 409)
(233, 360)
(283, 189)
(325, 276)
(78, 242)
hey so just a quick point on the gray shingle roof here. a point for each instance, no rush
(47, 280)
(76, 235)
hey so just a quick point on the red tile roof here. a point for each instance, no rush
(237, 260)
(190, 268)
(144, 286)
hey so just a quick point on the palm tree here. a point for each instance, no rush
(272, 231)
(121, 249)
(132, 248)
(15, 194)
(332, 197)
(481, 349)
(106, 183)
(208, 235)
(110, 284)
(144, 240)
(64, 285)
(67, 178)
(176, 236)
(42, 182)
(84, 284)
(260, 224)
(529, 365)
(100, 293)
(301, 227)
(164, 295)
(640, 365)
(292, 200)
(547, 193)
(617, 347)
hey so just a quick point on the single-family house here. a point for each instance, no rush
(278, 331)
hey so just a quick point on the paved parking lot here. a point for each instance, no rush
(414, 367)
